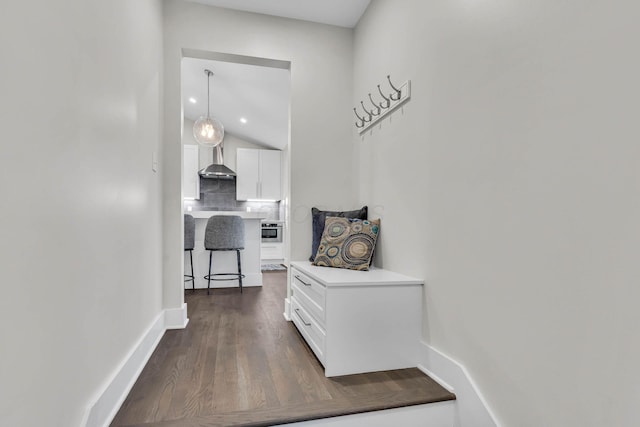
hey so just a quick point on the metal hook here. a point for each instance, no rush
(366, 119)
(398, 91)
(387, 101)
(377, 108)
(361, 123)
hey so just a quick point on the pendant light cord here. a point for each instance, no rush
(208, 90)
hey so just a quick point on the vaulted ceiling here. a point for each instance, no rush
(252, 101)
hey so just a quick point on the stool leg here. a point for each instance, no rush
(239, 270)
(193, 277)
(209, 276)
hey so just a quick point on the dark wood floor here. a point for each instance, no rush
(240, 363)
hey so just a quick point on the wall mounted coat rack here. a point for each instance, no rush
(376, 110)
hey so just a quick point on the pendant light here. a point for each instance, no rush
(207, 130)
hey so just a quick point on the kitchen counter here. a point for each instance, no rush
(242, 214)
(225, 261)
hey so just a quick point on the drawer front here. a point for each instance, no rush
(313, 334)
(310, 304)
(309, 293)
(271, 251)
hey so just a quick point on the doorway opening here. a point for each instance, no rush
(251, 97)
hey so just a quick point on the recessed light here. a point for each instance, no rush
(192, 100)
(243, 120)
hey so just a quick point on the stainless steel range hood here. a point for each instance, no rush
(217, 170)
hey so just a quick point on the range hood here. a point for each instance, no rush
(217, 170)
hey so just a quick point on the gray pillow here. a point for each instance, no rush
(318, 218)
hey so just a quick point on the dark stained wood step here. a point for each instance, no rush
(306, 412)
(240, 363)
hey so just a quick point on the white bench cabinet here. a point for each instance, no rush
(357, 321)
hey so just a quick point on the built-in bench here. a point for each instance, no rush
(357, 321)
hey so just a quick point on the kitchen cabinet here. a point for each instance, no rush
(258, 174)
(190, 177)
(357, 321)
(272, 252)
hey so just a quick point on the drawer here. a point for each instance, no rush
(271, 251)
(310, 294)
(313, 334)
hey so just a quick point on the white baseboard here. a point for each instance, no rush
(106, 405)
(471, 408)
(287, 310)
(176, 318)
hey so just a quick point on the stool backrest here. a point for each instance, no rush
(224, 232)
(189, 232)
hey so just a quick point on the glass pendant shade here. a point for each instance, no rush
(207, 130)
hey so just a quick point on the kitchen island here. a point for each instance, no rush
(225, 261)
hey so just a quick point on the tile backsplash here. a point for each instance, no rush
(220, 194)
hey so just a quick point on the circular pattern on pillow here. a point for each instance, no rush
(357, 248)
(334, 232)
(333, 251)
(347, 243)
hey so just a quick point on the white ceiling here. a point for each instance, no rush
(343, 13)
(259, 94)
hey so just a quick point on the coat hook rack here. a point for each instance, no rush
(391, 101)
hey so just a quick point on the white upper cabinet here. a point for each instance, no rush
(190, 177)
(247, 174)
(258, 174)
(270, 171)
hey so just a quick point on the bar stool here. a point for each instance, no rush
(189, 244)
(224, 233)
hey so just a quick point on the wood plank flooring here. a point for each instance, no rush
(240, 363)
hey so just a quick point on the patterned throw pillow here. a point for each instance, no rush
(318, 218)
(347, 243)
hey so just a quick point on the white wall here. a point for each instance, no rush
(80, 230)
(321, 85)
(510, 183)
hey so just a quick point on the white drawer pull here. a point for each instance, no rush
(302, 281)
(301, 318)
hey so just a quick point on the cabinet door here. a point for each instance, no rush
(271, 251)
(190, 177)
(248, 174)
(270, 175)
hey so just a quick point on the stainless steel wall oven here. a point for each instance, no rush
(271, 232)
